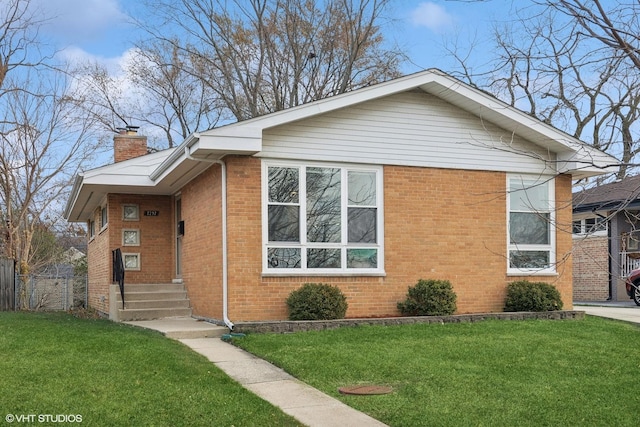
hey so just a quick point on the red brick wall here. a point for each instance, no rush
(202, 243)
(156, 241)
(441, 224)
(156, 245)
(99, 263)
(591, 268)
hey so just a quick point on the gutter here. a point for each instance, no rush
(177, 153)
(225, 274)
(73, 196)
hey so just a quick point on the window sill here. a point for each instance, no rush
(323, 274)
(532, 273)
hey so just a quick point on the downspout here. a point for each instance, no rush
(225, 294)
(225, 297)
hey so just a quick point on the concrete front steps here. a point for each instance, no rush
(149, 301)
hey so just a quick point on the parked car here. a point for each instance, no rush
(633, 286)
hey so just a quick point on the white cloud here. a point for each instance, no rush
(77, 56)
(433, 16)
(79, 20)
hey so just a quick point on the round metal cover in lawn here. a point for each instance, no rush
(365, 390)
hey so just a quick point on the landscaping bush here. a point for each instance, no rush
(532, 296)
(429, 298)
(317, 301)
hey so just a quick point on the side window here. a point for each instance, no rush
(531, 224)
(104, 220)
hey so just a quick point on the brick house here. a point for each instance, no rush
(606, 239)
(418, 177)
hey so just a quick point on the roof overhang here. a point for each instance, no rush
(168, 171)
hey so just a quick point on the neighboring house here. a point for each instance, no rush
(372, 190)
(606, 239)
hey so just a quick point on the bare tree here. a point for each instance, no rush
(43, 142)
(214, 61)
(616, 28)
(154, 89)
(44, 135)
(18, 37)
(548, 66)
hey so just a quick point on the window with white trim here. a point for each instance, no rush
(322, 218)
(531, 219)
(593, 226)
(104, 220)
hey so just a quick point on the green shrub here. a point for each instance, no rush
(532, 296)
(317, 301)
(429, 298)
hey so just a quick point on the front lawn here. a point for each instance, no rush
(490, 373)
(115, 375)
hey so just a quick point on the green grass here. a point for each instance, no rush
(116, 375)
(491, 373)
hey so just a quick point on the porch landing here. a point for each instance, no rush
(179, 328)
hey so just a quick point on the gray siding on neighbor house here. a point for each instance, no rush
(408, 129)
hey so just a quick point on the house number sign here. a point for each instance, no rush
(151, 213)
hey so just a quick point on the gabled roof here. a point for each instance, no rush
(611, 196)
(167, 171)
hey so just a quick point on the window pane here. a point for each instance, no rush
(283, 185)
(362, 225)
(283, 257)
(529, 259)
(362, 188)
(323, 205)
(323, 258)
(595, 224)
(284, 223)
(577, 227)
(362, 258)
(528, 196)
(529, 228)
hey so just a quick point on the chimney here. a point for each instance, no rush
(127, 144)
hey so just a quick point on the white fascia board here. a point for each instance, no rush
(247, 142)
(73, 196)
(586, 162)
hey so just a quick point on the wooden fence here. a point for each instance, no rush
(7, 284)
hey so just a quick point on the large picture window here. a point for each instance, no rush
(531, 220)
(322, 218)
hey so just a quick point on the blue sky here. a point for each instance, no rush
(99, 29)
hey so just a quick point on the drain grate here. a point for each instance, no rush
(365, 390)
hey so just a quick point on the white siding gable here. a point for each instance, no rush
(409, 129)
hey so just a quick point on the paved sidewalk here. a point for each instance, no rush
(303, 402)
(626, 312)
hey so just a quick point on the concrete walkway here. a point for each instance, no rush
(307, 404)
(629, 312)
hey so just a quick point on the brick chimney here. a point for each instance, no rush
(127, 144)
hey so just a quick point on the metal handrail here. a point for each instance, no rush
(118, 271)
